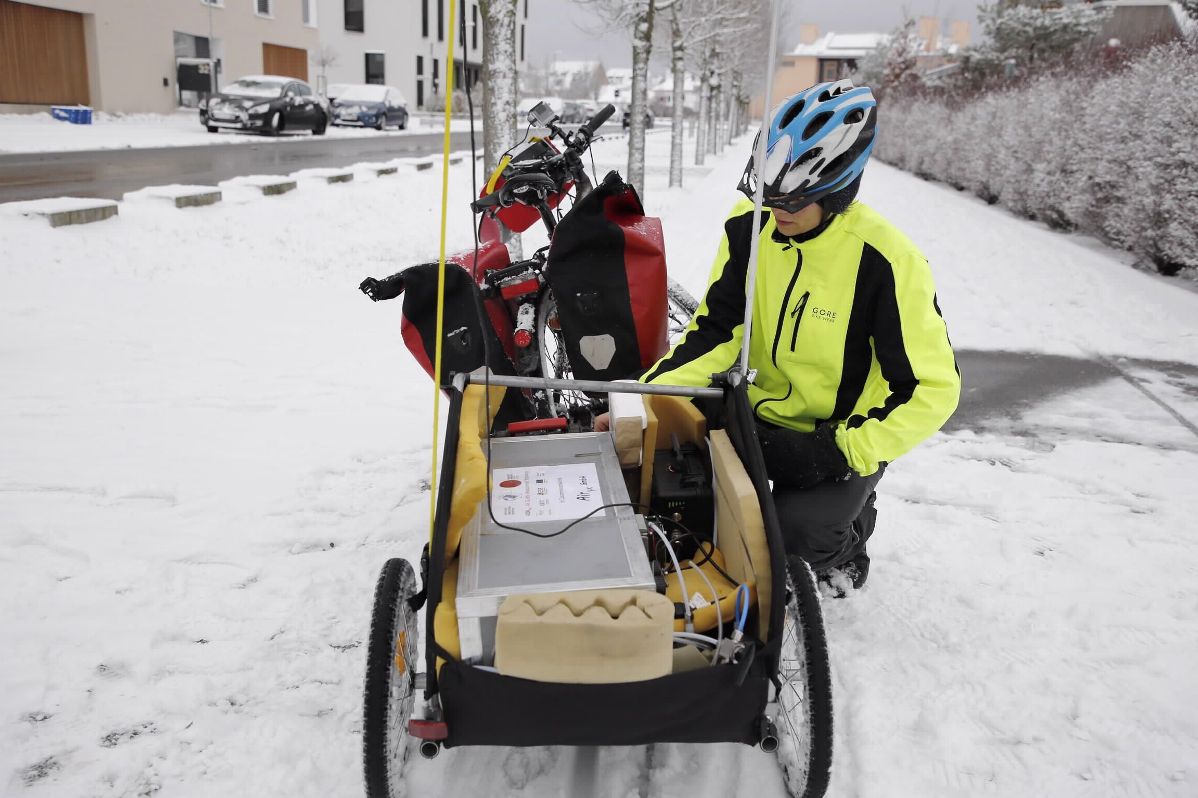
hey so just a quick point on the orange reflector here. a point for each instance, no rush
(428, 729)
(401, 662)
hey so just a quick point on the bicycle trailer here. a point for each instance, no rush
(615, 588)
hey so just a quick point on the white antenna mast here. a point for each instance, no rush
(759, 165)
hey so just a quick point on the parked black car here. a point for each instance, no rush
(649, 120)
(267, 104)
(369, 105)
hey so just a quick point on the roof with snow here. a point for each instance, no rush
(842, 45)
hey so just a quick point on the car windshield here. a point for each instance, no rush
(363, 94)
(254, 88)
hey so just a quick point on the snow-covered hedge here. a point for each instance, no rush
(1110, 154)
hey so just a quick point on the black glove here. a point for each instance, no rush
(386, 288)
(801, 459)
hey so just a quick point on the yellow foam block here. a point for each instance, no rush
(585, 637)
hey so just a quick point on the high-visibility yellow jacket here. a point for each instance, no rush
(846, 328)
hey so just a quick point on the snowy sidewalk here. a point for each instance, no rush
(212, 441)
(29, 133)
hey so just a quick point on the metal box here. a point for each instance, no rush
(541, 484)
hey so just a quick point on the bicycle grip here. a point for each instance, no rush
(596, 121)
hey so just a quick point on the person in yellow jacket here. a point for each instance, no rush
(852, 357)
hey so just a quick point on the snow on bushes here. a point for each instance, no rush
(1110, 154)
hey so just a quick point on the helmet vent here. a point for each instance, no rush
(791, 114)
(854, 116)
(818, 122)
(810, 155)
(838, 163)
(824, 96)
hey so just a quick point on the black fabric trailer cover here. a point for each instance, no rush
(700, 706)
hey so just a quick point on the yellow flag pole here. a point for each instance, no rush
(432, 507)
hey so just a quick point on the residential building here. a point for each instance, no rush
(403, 43)
(1135, 24)
(145, 55)
(661, 96)
(618, 89)
(576, 80)
(833, 55)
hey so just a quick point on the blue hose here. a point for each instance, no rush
(742, 607)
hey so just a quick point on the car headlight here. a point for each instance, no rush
(260, 108)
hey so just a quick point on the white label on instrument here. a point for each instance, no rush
(545, 493)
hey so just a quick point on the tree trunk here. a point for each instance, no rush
(678, 68)
(642, 48)
(499, 79)
(704, 110)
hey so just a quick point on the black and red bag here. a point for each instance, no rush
(607, 269)
(468, 344)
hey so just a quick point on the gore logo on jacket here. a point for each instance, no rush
(846, 328)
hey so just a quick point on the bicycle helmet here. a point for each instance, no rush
(817, 143)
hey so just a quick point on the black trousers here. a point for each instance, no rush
(828, 525)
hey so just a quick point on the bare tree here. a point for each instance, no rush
(499, 79)
(324, 58)
(694, 26)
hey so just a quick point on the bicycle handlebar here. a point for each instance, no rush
(588, 128)
(565, 165)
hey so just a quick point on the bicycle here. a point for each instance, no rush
(534, 178)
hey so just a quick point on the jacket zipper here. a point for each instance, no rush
(797, 315)
(786, 303)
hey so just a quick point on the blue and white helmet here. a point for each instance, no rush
(818, 142)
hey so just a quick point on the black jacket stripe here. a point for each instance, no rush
(725, 301)
(888, 341)
(857, 352)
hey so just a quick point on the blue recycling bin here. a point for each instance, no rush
(75, 114)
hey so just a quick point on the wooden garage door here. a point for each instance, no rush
(290, 62)
(43, 58)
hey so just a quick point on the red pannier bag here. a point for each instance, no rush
(607, 269)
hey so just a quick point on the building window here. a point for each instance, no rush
(375, 70)
(474, 30)
(424, 18)
(217, 3)
(355, 16)
(440, 21)
(309, 13)
(262, 8)
(521, 42)
(829, 70)
(436, 76)
(419, 81)
(525, 10)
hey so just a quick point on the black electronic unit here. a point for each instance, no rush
(682, 488)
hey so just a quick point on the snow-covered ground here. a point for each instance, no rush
(42, 133)
(212, 441)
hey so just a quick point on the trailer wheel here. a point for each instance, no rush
(391, 661)
(804, 712)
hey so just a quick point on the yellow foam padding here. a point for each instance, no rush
(739, 526)
(585, 637)
(445, 619)
(648, 452)
(470, 470)
(676, 416)
(704, 618)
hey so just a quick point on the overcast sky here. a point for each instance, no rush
(565, 30)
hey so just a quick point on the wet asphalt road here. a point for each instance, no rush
(1002, 391)
(109, 174)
